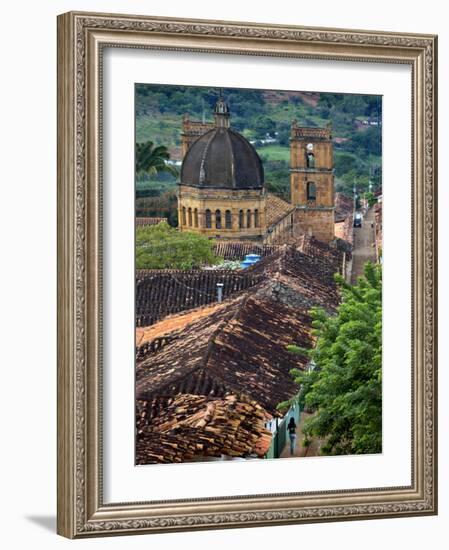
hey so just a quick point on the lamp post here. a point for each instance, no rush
(220, 292)
(355, 196)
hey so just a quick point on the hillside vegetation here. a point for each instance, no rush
(263, 117)
(162, 247)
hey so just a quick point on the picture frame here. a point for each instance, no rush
(82, 40)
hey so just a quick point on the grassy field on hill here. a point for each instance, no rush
(262, 116)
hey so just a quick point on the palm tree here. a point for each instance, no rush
(152, 160)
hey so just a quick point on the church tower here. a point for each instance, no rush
(312, 181)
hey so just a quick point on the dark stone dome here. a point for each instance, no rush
(222, 158)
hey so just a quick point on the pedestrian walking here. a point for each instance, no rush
(292, 435)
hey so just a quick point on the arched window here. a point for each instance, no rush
(241, 224)
(311, 191)
(228, 219)
(195, 217)
(248, 218)
(189, 216)
(184, 221)
(256, 218)
(208, 219)
(310, 158)
(218, 219)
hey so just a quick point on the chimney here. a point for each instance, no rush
(220, 292)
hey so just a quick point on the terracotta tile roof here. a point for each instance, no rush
(239, 348)
(236, 250)
(309, 275)
(329, 255)
(344, 207)
(174, 323)
(344, 213)
(161, 292)
(190, 364)
(277, 209)
(344, 230)
(149, 221)
(191, 426)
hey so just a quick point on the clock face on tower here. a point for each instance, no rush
(310, 147)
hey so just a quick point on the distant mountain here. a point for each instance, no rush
(264, 117)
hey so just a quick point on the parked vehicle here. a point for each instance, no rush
(358, 220)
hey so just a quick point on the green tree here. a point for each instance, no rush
(369, 196)
(164, 247)
(264, 125)
(344, 163)
(158, 205)
(345, 386)
(367, 141)
(152, 160)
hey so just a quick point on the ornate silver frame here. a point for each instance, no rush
(81, 37)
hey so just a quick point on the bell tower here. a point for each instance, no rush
(312, 181)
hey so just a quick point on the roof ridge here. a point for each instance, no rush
(274, 196)
(210, 346)
(232, 155)
(213, 132)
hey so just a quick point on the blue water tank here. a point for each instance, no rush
(246, 263)
(252, 257)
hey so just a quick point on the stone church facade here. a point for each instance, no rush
(312, 182)
(222, 189)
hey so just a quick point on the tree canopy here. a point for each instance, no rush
(152, 160)
(161, 205)
(344, 385)
(356, 121)
(164, 247)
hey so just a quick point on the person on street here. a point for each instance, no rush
(292, 435)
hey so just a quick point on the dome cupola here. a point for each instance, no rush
(221, 114)
(222, 158)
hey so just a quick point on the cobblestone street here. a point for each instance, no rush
(364, 249)
(312, 450)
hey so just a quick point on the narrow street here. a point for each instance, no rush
(312, 450)
(364, 249)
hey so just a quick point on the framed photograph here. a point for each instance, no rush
(246, 274)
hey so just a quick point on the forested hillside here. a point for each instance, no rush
(263, 117)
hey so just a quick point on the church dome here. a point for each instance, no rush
(222, 158)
